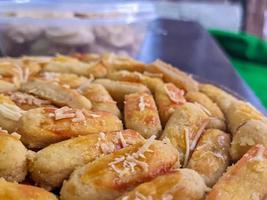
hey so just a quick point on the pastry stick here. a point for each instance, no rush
(15, 191)
(109, 176)
(184, 128)
(245, 180)
(13, 157)
(45, 168)
(10, 114)
(141, 114)
(249, 134)
(6, 87)
(211, 156)
(56, 93)
(218, 96)
(115, 63)
(100, 98)
(65, 64)
(168, 98)
(217, 120)
(136, 77)
(178, 185)
(238, 113)
(67, 80)
(118, 89)
(173, 75)
(43, 126)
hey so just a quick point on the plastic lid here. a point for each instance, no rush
(79, 11)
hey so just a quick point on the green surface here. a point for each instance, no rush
(248, 54)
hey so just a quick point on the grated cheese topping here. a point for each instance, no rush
(198, 134)
(139, 196)
(187, 145)
(130, 161)
(203, 108)
(16, 135)
(175, 94)
(167, 197)
(142, 104)
(123, 142)
(66, 112)
(2, 130)
(51, 76)
(10, 111)
(85, 84)
(21, 75)
(260, 154)
(23, 98)
(105, 146)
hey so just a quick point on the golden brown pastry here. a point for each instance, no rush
(211, 156)
(184, 128)
(66, 64)
(251, 133)
(6, 87)
(141, 114)
(67, 80)
(100, 99)
(10, 113)
(109, 176)
(179, 185)
(217, 95)
(118, 89)
(245, 180)
(217, 120)
(115, 62)
(15, 191)
(238, 113)
(56, 93)
(174, 75)
(136, 77)
(50, 125)
(168, 98)
(45, 168)
(27, 101)
(13, 157)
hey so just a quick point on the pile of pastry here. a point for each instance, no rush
(104, 127)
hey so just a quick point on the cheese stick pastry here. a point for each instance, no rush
(26, 101)
(211, 156)
(45, 168)
(100, 99)
(56, 93)
(115, 62)
(245, 180)
(179, 185)
(238, 113)
(168, 98)
(15, 191)
(6, 87)
(111, 175)
(185, 127)
(51, 125)
(136, 77)
(251, 133)
(141, 114)
(67, 80)
(218, 96)
(9, 114)
(118, 89)
(173, 75)
(13, 157)
(217, 117)
(66, 64)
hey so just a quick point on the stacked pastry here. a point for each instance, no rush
(106, 127)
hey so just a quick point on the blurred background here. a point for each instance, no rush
(239, 27)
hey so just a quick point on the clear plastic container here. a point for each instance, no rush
(50, 27)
